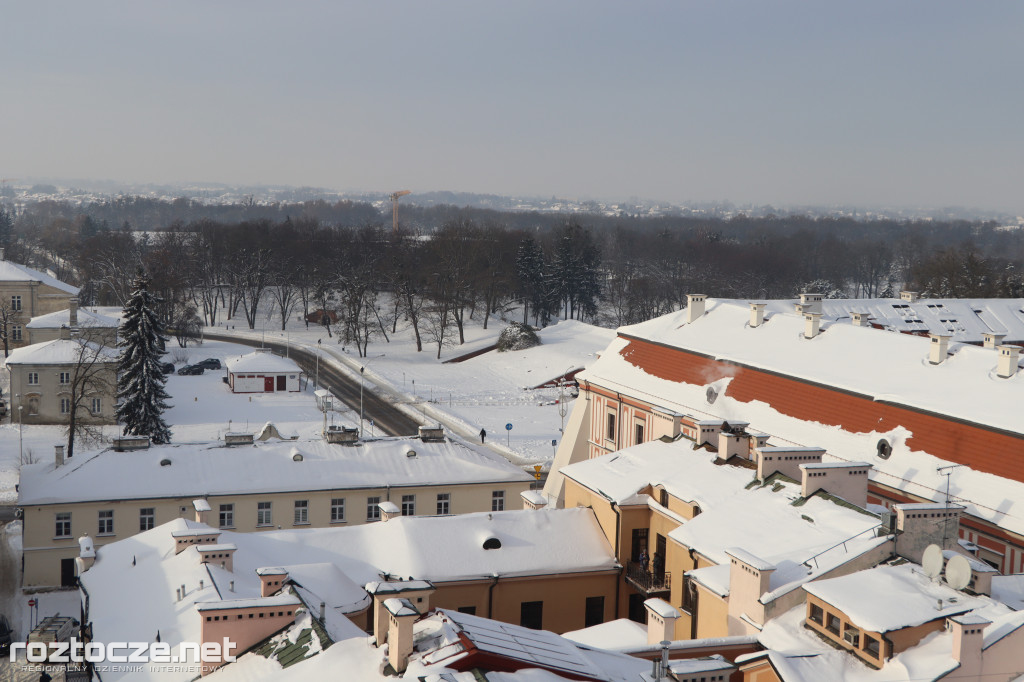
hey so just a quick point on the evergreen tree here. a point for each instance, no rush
(140, 383)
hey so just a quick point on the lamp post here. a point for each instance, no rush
(21, 450)
(317, 380)
(361, 401)
(562, 410)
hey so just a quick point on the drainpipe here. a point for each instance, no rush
(490, 597)
(618, 581)
(618, 432)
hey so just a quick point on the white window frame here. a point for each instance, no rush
(444, 504)
(497, 500)
(16, 333)
(65, 405)
(226, 516)
(33, 378)
(16, 303)
(105, 522)
(337, 509)
(147, 519)
(301, 512)
(264, 513)
(62, 525)
(408, 505)
(372, 510)
(65, 378)
(97, 405)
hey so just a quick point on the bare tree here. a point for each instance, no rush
(7, 315)
(92, 377)
(285, 294)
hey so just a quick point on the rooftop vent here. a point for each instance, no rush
(492, 543)
(165, 462)
(409, 452)
(297, 457)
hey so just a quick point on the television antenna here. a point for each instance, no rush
(946, 471)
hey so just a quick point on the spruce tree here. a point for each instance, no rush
(140, 383)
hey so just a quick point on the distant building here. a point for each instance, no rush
(99, 328)
(262, 372)
(28, 293)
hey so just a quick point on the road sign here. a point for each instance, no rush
(536, 471)
(554, 443)
(31, 602)
(508, 427)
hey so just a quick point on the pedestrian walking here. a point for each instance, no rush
(483, 435)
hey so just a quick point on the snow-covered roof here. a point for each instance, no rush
(15, 272)
(614, 634)
(275, 600)
(268, 466)
(965, 319)
(400, 607)
(261, 361)
(60, 352)
(662, 608)
(887, 598)
(62, 318)
(967, 393)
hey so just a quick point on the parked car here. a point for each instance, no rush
(190, 370)
(167, 368)
(6, 634)
(209, 363)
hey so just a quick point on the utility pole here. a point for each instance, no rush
(394, 196)
(361, 401)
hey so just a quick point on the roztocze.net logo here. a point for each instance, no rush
(77, 651)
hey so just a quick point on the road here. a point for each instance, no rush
(386, 417)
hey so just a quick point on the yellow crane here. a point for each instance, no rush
(394, 207)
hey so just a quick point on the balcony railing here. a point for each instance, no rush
(646, 581)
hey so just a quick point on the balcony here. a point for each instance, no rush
(645, 581)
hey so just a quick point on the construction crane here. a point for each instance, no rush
(394, 207)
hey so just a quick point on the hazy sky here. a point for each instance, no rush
(859, 102)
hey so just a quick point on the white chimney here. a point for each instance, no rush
(1008, 356)
(908, 296)
(58, 451)
(993, 340)
(861, 319)
(812, 325)
(73, 312)
(694, 306)
(939, 348)
(661, 620)
(968, 638)
(757, 314)
(811, 302)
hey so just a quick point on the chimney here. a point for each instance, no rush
(860, 319)
(389, 510)
(694, 306)
(845, 480)
(65, 332)
(811, 303)
(733, 445)
(757, 314)
(218, 555)
(417, 592)
(1008, 356)
(202, 508)
(908, 296)
(968, 637)
(86, 554)
(922, 524)
(58, 451)
(401, 615)
(661, 621)
(271, 580)
(939, 348)
(812, 325)
(749, 578)
(73, 312)
(992, 340)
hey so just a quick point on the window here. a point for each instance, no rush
(610, 429)
(227, 516)
(16, 333)
(97, 405)
(638, 433)
(63, 529)
(531, 614)
(594, 613)
(106, 525)
(337, 509)
(639, 543)
(65, 378)
(498, 500)
(471, 610)
(871, 646)
(147, 518)
(372, 510)
(663, 498)
(65, 405)
(851, 635)
(408, 505)
(832, 624)
(301, 512)
(15, 303)
(264, 514)
(444, 503)
(33, 378)
(816, 615)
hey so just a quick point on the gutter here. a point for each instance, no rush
(490, 597)
(618, 582)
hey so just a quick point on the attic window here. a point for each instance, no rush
(492, 543)
(165, 462)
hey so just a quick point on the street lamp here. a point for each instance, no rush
(361, 401)
(317, 381)
(21, 451)
(562, 409)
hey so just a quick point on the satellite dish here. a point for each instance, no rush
(932, 561)
(711, 395)
(884, 449)
(958, 572)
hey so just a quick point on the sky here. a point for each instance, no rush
(861, 103)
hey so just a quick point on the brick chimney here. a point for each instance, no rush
(271, 580)
(968, 637)
(938, 348)
(992, 340)
(73, 312)
(860, 319)
(695, 306)
(812, 324)
(401, 615)
(1008, 357)
(661, 621)
(909, 296)
(757, 314)
(923, 524)
(218, 555)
